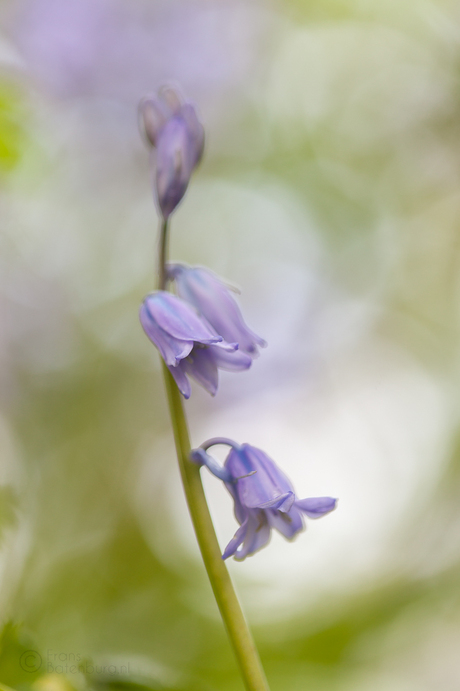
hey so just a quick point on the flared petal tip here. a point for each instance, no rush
(228, 347)
(252, 349)
(181, 380)
(315, 507)
(228, 553)
(236, 540)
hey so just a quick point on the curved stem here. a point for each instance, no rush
(227, 601)
(215, 441)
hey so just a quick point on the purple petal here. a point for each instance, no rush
(257, 535)
(265, 464)
(179, 319)
(181, 380)
(236, 540)
(195, 133)
(316, 507)
(227, 347)
(288, 524)
(282, 502)
(171, 349)
(152, 117)
(240, 511)
(286, 502)
(200, 365)
(171, 98)
(266, 486)
(178, 151)
(234, 361)
(214, 301)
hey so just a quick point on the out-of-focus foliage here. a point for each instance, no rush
(12, 130)
(329, 193)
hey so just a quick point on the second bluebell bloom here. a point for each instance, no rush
(188, 343)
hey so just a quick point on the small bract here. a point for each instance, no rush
(264, 497)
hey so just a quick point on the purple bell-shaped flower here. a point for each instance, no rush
(264, 497)
(171, 127)
(187, 342)
(214, 301)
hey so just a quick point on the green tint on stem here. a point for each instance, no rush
(232, 615)
(163, 254)
(227, 601)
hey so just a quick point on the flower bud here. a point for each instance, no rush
(171, 127)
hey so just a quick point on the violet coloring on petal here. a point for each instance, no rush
(171, 127)
(263, 495)
(214, 301)
(188, 343)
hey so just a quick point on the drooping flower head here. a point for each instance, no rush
(264, 497)
(187, 342)
(171, 127)
(214, 301)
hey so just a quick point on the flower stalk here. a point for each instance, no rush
(162, 254)
(227, 601)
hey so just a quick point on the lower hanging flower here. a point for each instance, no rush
(264, 497)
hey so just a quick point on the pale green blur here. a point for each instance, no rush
(329, 192)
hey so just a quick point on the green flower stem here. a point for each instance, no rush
(227, 601)
(162, 254)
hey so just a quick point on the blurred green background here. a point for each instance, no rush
(329, 193)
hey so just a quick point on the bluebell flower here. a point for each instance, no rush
(187, 342)
(264, 497)
(172, 129)
(214, 301)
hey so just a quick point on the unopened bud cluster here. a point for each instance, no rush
(176, 136)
